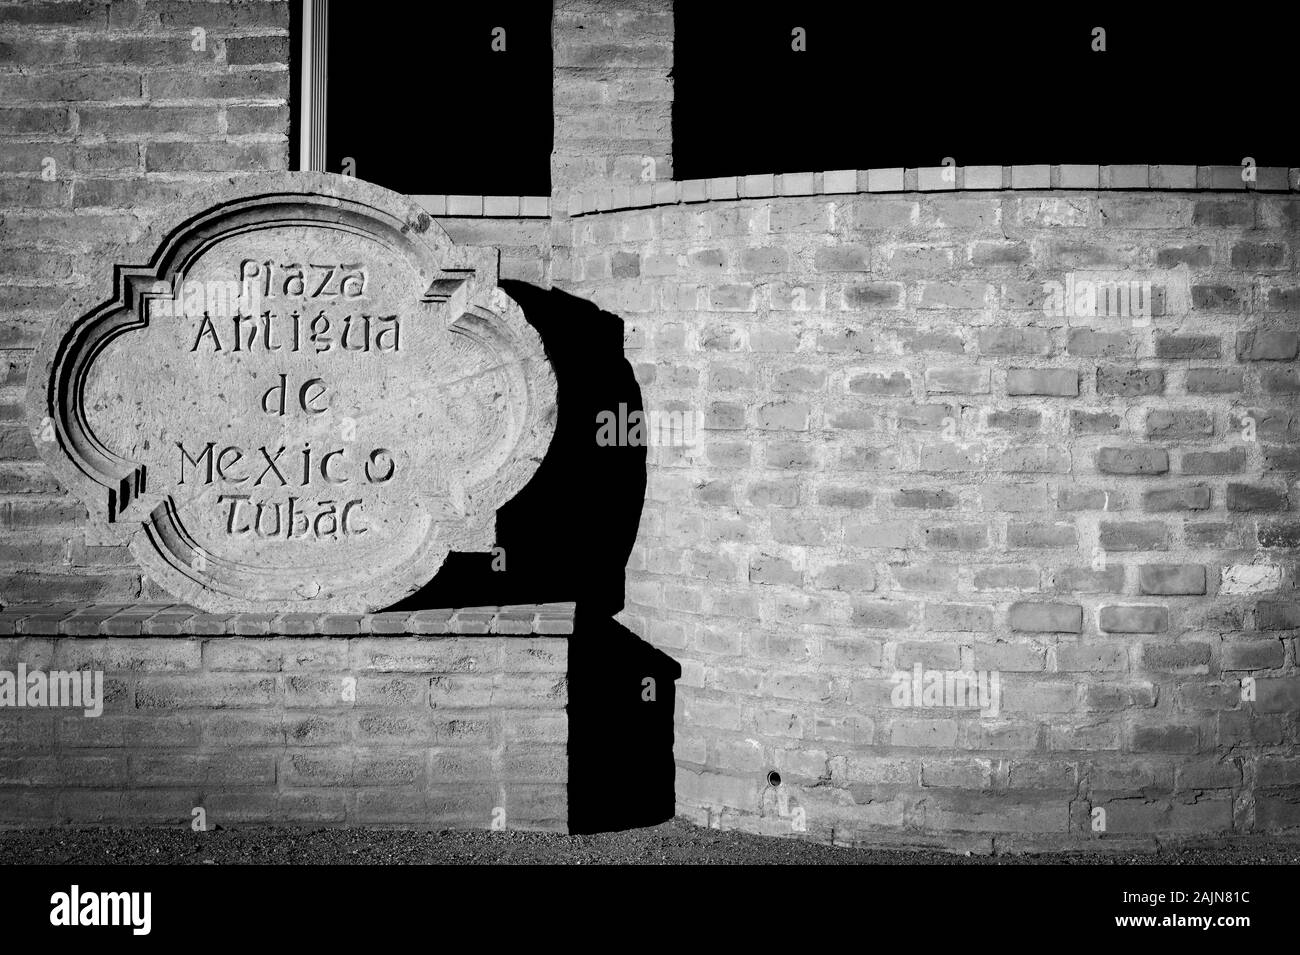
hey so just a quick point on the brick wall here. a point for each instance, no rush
(525, 244)
(438, 731)
(108, 111)
(908, 457)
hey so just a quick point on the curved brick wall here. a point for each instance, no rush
(913, 454)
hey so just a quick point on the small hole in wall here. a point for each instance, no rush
(774, 778)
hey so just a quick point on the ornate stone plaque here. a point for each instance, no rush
(298, 395)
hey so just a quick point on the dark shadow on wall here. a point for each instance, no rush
(621, 698)
(567, 536)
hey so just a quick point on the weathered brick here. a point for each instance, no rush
(1257, 256)
(1171, 579)
(1130, 382)
(1194, 497)
(843, 258)
(1230, 461)
(973, 381)
(1086, 580)
(1252, 655)
(1093, 422)
(251, 50)
(1132, 460)
(1193, 256)
(1092, 658)
(269, 85)
(274, 120)
(1188, 346)
(1041, 535)
(1172, 656)
(1170, 424)
(1046, 617)
(121, 122)
(942, 295)
(1133, 536)
(1280, 381)
(1091, 343)
(873, 295)
(1216, 298)
(1216, 213)
(999, 342)
(1129, 619)
(1058, 382)
(180, 692)
(1277, 615)
(1213, 381)
(1174, 738)
(1267, 345)
(881, 383)
(216, 157)
(1255, 497)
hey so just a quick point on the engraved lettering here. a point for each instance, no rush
(270, 466)
(327, 511)
(347, 509)
(239, 319)
(313, 390)
(235, 500)
(320, 329)
(374, 461)
(320, 289)
(267, 328)
(257, 521)
(294, 522)
(248, 270)
(207, 328)
(205, 455)
(222, 465)
(279, 391)
(347, 330)
(325, 468)
(394, 329)
(290, 529)
(294, 281)
(356, 275)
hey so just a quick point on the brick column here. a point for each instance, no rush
(613, 94)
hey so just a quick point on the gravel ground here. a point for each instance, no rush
(675, 842)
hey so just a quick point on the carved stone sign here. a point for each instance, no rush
(300, 396)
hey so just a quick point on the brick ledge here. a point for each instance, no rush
(76, 620)
(486, 207)
(931, 179)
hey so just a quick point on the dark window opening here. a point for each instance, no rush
(419, 101)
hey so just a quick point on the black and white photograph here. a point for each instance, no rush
(566, 433)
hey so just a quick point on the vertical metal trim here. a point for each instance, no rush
(315, 65)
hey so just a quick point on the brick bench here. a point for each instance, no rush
(435, 718)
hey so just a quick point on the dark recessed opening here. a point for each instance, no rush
(426, 100)
(774, 778)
